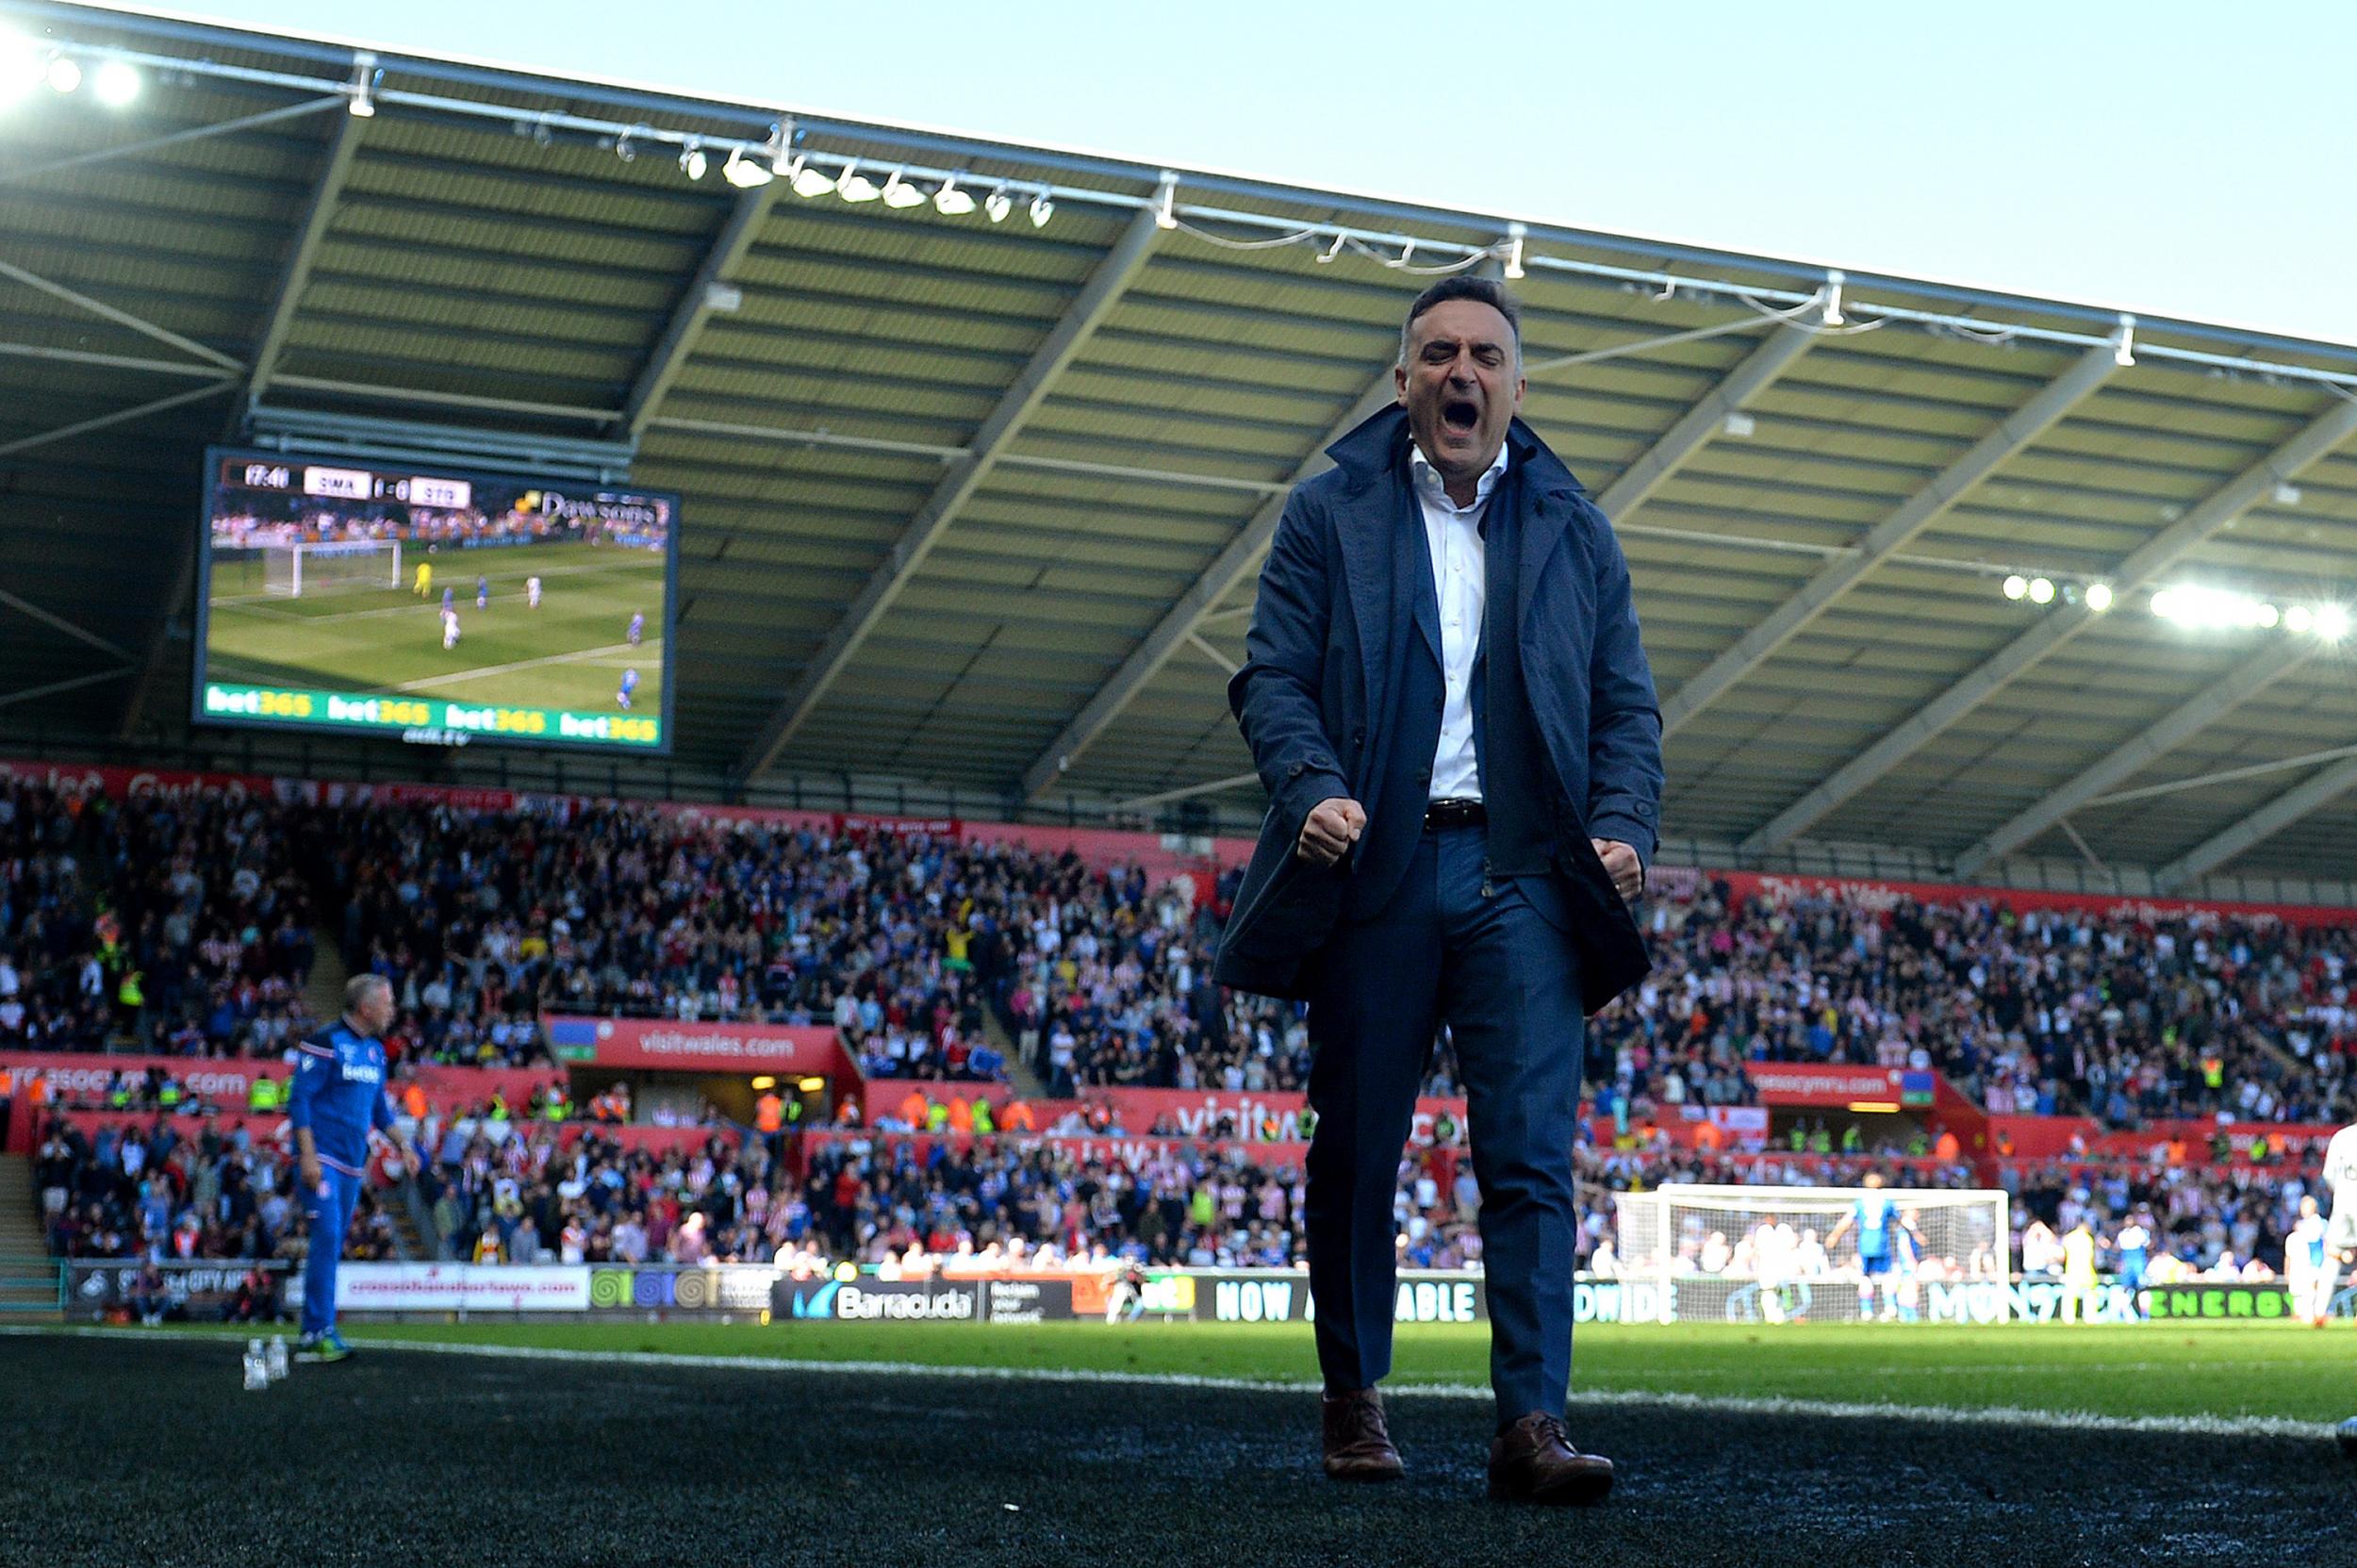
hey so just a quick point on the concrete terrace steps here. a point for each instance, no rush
(28, 1280)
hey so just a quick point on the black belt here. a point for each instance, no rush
(1455, 814)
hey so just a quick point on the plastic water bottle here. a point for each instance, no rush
(257, 1368)
(274, 1358)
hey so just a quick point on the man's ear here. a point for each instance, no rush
(1399, 383)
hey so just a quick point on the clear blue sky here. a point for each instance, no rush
(2172, 157)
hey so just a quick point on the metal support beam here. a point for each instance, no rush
(59, 623)
(1203, 645)
(195, 133)
(1228, 570)
(2132, 756)
(2222, 505)
(1189, 792)
(1889, 536)
(100, 309)
(296, 272)
(74, 683)
(695, 306)
(121, 416)
(1698, 424)
(2268, 820)
(1094, 304)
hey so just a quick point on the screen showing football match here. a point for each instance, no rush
(434, 605)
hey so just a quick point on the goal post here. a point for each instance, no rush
(1771, 1254)
(295, 570)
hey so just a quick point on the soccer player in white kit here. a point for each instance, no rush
(2340, 1236)
(449, 630)
(2308, 1267)
(532, 593)
(1774, 1249)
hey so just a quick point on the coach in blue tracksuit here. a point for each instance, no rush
(1445, 695)
(337, 1099)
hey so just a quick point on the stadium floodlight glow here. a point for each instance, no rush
(64, 74)
(811, 180)
(1043, 208)
(810, 1085)
(2268, 616)
(2098, 597)
(2165, 604)
(2041, 591)
(765, 1081)
(2333, 622)
(900, 194)
(852, 185)
(744, 173)
(21, 67)
(2297, 619)
(998, 204)
(2015, 585)
(116, 84)
(364, 76)
(2213, 608)
(952, 200)
(692, 161)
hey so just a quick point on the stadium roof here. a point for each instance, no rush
(979, 502)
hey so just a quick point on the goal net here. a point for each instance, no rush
(1780, 1254)
(295, 570)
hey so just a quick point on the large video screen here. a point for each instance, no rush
(435, 606)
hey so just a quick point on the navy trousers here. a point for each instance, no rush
(330, 1209)
(1493, 959)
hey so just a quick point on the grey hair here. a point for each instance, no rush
(1487, 292)
(357, 989)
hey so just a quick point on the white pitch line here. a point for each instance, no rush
(1837, 1410)
(609, 650)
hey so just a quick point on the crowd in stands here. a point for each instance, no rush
(2037, 1012)
(174, 1191)
(181, 923)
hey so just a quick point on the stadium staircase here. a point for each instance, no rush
(1020, 1077)
(28, 1279)
(326, 994)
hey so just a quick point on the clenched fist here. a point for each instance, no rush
(1334, 825)
(1621, 863)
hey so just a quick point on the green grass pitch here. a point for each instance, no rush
(570, 652)
(2281, 1370)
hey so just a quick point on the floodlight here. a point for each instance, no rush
(899, 194)
(692, 161)
(2269, 615)
(2333, 622)
(21, 67)
(1042, 210)
(64, 74)
(998, 204)
(2015, 585)
(2041, 591)
(2297, 619)
(2286, 493)
(744, 173)
(364, 75)
(116, 84)
(2098, 597)
(810, 180)
(854, 186)
(950, 202)
(2165, 604)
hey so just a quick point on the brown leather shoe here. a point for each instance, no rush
(1358, 1445)
(1533, 1461)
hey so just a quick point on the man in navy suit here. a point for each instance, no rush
(1447, 699)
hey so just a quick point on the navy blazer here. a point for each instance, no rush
(1311, 696)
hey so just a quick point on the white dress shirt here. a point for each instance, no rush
(1461, 585)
